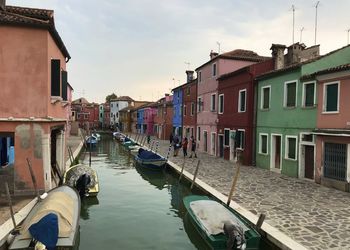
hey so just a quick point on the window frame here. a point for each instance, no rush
(240, 100)
(260, 143)
(221, 107)
(214, 73)
(199, 104)
(304, 94)
(213, 102)
(286, 94)
(324, 111)
(241, 147)
(198, 133)
(200, 76)
(228, 143)
(192, 108)
(262, 97)
(286, 147)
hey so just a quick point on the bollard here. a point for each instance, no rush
(10, 204)
(182, 169)
(233, 184)
(260, 221)
(195, 174)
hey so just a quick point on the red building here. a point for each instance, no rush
(236, 124)
(189, 116)
(87, 114)
(163, 121)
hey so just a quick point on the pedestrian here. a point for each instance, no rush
(176, 143)
(171, 138)
(148, 139)
(193, 147)
(184, 146)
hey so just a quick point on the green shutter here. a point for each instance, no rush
(55, 77)
(64, 85)
(264, 144)
(291, 94)
(266, 96)
(242, 104)
(291, 148)
(309, 95)
(332, 97)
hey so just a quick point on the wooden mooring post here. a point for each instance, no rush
(260, 221)
(182, 169)
(195, 174)
(10, 204)
(234, 182)
(33, 179)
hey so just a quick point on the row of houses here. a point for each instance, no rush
(288, 113)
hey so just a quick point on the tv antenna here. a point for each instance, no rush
(316, 7)
(301, 34)
(348, 30)
(218, 47)
(188, 64)
(293, 9)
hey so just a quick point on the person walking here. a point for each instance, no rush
(184, 146)
(171, 138)
(176, 143)
(193, 147)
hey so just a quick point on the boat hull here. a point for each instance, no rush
(219, 241)
(151, 164)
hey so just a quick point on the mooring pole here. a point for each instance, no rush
(260, 221)
(10, 204)
(157, 146)
(234, 182)
(195, 174)
(152, 144)
(182, 169)
(33, 179)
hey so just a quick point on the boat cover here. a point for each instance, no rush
(75, 172)
(58, 203)
(148, 155)
(212, 215)
(46, 231)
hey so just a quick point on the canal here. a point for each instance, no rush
(136, 208)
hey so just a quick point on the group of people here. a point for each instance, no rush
(177, 144)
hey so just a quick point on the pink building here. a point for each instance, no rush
(333, 127)
(149, 114)
(209, 104)
(34, 86)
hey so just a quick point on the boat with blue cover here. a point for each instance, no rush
(220, 225)
(150, 159)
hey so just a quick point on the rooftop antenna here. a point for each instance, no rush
(188, 64)
(348, 30)
(316, 6)
(218, 47)
(174, 82)
(301, 34)
(293, 9)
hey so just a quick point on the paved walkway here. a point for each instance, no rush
(317, 217)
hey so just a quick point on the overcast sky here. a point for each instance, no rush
(137, 47)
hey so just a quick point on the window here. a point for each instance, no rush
(227, 137)
(221, 104)
(335, 161)
(185, 110)
(214, 69)
(239, 139)
(200, 104)
(192, 108)
(242, 100)
(188, 91)
(263, 144)
(55, 77)
(7, 149)
(331, 97)
(212, 102)
(291, 147)
(290, 94)
(64, 77)
(265, 97)
(199, 133)
(309, 94)
(180, 110)
(199, 76)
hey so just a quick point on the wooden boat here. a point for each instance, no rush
(134, 150)
(209, 217)
(149, 159)
(97, 136)
(91, 140)
(63, 203)
(78, 175)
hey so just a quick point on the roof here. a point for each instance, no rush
(241, 70)
(36, 18)
(297, 65)
(238, 54)
(123, 98)
(327, 71)
(80, 101)
(183, 85)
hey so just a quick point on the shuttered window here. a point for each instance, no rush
(331, 97)
(309, 91)
(290, 94)
(64, 76)
(265, 97)
(227, 137)
(55, 77)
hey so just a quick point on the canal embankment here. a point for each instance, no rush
(299, 214)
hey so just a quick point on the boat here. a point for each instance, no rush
(149, 159)
(97, 136)
(52, 222)
(91, 140)
(220, 225)
(134, 150)
(83, 178)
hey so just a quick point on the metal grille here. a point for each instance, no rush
(335, 161)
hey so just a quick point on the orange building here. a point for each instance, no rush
(34, 95)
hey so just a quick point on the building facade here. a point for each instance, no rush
(189, 118)
(163, 120)
(116, 105)
(177, 111)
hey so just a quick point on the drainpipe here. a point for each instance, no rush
(255, 105)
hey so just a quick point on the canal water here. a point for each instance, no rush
(136, 208)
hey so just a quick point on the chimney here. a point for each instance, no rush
(189, 74)
(2, 5)
(278, 55)
(213, 54)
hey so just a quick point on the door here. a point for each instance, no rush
(205, 135)
(221, 145)
(276, 152)
(309, 162)
(213, 143)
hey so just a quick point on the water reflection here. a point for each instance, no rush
(154, 177)
(86, 203)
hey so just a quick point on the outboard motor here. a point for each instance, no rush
(82, 184)
(235, 235)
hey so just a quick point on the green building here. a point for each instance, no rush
(287, 109)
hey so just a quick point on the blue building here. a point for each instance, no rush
(140, 122)
(178, 109)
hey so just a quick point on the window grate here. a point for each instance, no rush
(334, 161)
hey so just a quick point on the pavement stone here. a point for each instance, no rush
(315, 216)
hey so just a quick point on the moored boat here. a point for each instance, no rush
(221, 226)
(91, 140)
(57, 214)
(150, 159)
(83, 178)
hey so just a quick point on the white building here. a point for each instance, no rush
(118, 104)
